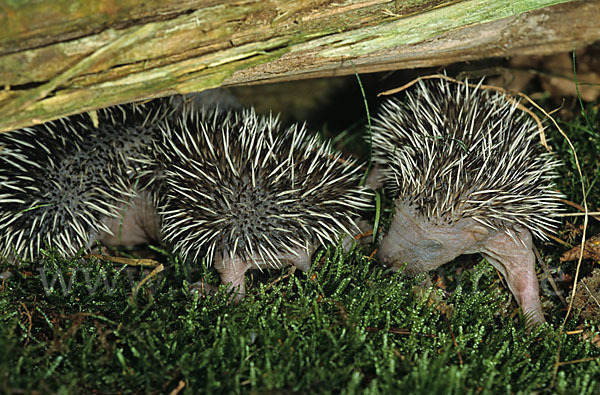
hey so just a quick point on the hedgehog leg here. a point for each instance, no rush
(232, 271)
(375, 178)
(515, 259)
(302, 259)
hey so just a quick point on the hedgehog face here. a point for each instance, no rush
(415, 243)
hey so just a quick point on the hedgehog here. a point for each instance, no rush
(208, 179)
(245, 193)
(72, 182)
(65, 184)
(467, 176)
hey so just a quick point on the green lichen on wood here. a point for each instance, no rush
(219, 44)
(421, 27)
(72, 101)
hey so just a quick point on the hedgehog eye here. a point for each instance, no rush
(433, 245)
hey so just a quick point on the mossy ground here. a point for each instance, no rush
(347, 326)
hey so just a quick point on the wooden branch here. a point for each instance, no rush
(59, 57)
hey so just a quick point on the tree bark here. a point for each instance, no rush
(60, 57)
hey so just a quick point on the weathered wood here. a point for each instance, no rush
(59, 57)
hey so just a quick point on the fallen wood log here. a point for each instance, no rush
(60, 57)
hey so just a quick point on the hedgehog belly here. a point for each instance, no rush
(138, 223)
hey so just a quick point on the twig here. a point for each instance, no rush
(372, 255)
(590, 292)
(28, 314)
(400, 331)
(125, 261)
(291, 271)
(556, 239)
(153, 273)
(180, 387)
(364, 235)
(575, 332)
(578, 361)
(595, 215)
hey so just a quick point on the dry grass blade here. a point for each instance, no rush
(125, 261)
(153, 273)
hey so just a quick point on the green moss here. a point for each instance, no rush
(348, 325)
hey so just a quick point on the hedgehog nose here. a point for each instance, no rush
(383, 260)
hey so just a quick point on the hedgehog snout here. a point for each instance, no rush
(404, 249)
(416, 244)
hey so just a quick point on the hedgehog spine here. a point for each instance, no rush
(276, 190)
(467, 177)
(61, 179)
(457, 174)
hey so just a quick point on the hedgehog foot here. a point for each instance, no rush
(232, 271)
(233, 268)
(514, 258)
